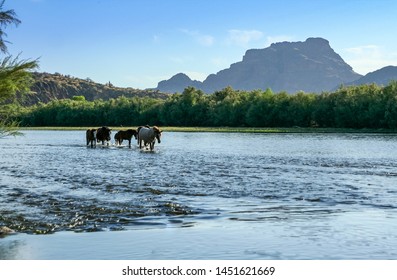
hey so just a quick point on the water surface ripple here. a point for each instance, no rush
(50, 181)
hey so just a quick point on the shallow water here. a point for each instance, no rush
(287, 196)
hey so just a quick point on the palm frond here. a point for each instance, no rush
(15, 76)
(9, 129)
(6, 18)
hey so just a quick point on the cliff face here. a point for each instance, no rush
(311, 66)
(47, 87)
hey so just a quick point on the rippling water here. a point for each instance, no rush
(305, 184)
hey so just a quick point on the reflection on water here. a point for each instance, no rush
(306, 187)
(10, 249)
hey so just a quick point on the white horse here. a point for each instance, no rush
(148, 135)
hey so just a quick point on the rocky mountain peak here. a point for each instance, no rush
(310, 66)
(381, 77)
(177, 83)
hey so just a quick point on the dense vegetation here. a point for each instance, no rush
(365, 106)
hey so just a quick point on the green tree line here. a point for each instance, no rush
(364, 106)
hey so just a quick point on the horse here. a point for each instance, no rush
(103, 134)
(91, 137)
(138, 129)
(149, 135)
(125, 135)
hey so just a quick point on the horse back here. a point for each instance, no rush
(103, 133)
(145, 133)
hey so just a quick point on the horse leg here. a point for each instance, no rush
(129, 143)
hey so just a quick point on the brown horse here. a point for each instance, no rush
(91, 137)
(125, 135)
(149, 135)
(103, 134)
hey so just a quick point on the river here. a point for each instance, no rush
(200, 196)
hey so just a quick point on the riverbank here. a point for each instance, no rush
(226, 129)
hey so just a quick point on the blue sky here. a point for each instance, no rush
(136, 44)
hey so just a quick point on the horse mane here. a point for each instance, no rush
(156, 129)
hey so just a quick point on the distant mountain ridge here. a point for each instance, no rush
(47, 87)
(381, 77)
(177, 82)
(310, 66)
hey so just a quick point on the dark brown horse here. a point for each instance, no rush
(125, 135)
(103, 134)
(91, 137)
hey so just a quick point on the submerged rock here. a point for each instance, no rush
(5, 230)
